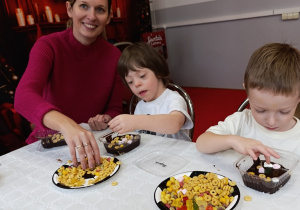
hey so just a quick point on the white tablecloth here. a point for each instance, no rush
(26, 179)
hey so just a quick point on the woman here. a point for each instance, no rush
(71, 76)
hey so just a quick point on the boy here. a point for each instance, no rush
(272, 84)
(160, 111)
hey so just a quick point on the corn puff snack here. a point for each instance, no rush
(71, 176)
(205, 191)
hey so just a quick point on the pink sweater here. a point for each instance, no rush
(62, 74)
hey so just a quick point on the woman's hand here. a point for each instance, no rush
(99, 122)
(76, 137)
(85, 143)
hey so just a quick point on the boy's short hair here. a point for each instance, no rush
(142, 55)
(274, 67)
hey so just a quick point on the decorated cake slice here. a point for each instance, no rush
(264, 177)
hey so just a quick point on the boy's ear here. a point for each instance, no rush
(244, 85)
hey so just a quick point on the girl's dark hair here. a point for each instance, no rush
(142, 55)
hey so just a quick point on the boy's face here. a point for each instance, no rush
(144, 84)
(274, 112)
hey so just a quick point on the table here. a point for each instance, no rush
(26, 179)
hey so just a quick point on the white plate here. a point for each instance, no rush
(162, 186)
(86, 176)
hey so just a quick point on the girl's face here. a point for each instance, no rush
(144, 84)
(89, 19)
(274, 112)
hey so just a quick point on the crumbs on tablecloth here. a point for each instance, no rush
(216, 167)
(247, 198)
(59, 160)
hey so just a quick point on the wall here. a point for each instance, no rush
(209, 43)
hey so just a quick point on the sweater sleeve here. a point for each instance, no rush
(29, 100)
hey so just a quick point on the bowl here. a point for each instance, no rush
(121, 144)
(270, 178)
(50, 138)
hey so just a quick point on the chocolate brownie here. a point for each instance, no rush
(267, 178)
(121, 144)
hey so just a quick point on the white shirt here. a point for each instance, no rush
(243, 124)
(167, 102)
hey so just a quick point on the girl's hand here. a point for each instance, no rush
(122, 123)
(99, 122)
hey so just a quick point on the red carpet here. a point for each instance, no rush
(212, 105)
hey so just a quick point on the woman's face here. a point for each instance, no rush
(89, 19)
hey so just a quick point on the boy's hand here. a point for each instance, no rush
(122, 123)
(254, 148)
(99, 122)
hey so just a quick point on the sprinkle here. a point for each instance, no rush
(261, 170)
(180, 179)
(268, 165)
(262, 176)
(276, 166)
(268, 179)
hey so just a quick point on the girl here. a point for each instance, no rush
(160, 111)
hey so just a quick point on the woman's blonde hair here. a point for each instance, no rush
(274, 67)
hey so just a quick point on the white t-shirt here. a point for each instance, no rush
(243, 124)
(167, 102)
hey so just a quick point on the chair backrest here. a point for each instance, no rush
(127, 94)
(134, 100)
(122, 45)
(245, 104)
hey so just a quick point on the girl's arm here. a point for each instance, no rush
(160, 123)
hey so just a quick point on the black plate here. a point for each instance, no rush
(86, 176)
(236, 194)
(127, 147)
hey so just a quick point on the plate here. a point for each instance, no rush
(86, 176)
(162, 185)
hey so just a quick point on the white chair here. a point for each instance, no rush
(122, 45)
(134, 100)
(126, 92)
(245, 104)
